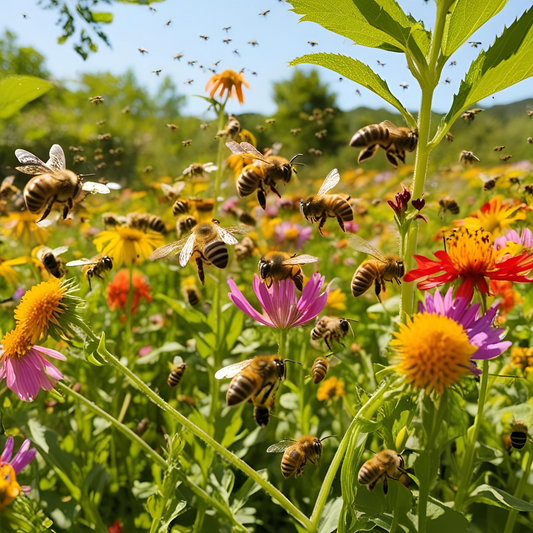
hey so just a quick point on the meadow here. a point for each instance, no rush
(161, 372)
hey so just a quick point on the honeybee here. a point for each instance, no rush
(281, 265)
(51, 261)
(296, 453)
(498, 148)
(528, 189)
(530, 140)
(96, 100)
(317, 208)
(449, 137)
(448, 204)
(173, 191)
(52, 182)
(467, 158)
(184, 225)
(226, 41)
(231, 129)
(474, 44)
(204, 125)
(176, 375)
(266, 173)
(529, 114)
(178, 57)
(315, 152)
(199, 170)
(320, 134)
(253, 43)
(256, 379)
(519, 434)
(172, 127)
(8, 191)
(190, 291)
(207, 243)
(145, 222)
(331, 328)
(383, 466)
(374, 271)
(188, 142)
(142, 50)
(264, 13)
(505, 157)
(126, 110)
(244, 249)
(312, 43)
(204, 37)
(157, 72)
(94, 267)
(111, 220)
(183, 206)
(270, 121)
(470, 115)
(296, 131)
(319, 368)
(395, 141)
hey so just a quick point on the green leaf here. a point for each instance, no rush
(499, 498)
(246, 491)
(330, 516)
(442, 519)
(357, 71)
(345, 18)
(505, 63)
(17, 91)
(103, 17)
(467, 18)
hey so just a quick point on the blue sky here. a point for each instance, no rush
(280, 37)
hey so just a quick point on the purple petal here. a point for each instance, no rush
(50, 353)
(23, 457)
(242, 303)
(8, 451)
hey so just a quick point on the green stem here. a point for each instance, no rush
(217, 353)
(366, 411)
(472, 435)
(304, 419)
(395, 521)
(527, 460)
(129, 303)
(220, 156)
(131, 435)
(274, 493)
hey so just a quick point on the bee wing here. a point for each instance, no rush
(246, 149)
(226, 236)
(57, 158)
(241, 229)
(303, 259)
(232, 370)
(280, 446)
(113, 186)
(32, 164)
(81, 262)
(60, 250)
(171, 190)
(393, 129)
(331, 180)
(93, 187)
(6, 182)
(210, 167)
(359, 244)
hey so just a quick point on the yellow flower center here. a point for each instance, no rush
(40, 306)
(330, 388)
(9, 488)
(472, 253)
(292, 234)
(16, 344)
(433, 351)
(494, 216)
(130, 234)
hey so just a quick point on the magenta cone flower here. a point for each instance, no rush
(281, 309)
(22, 458)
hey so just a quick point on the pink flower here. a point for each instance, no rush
(293, 233)
(23, 457)
(281, 309)
(351, 226)
(525, 239)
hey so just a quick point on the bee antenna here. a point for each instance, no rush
(328, 437)
(292, 361)
(296, 157)
(85, 175)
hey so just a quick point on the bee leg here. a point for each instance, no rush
(341, 224)
(261, 198)
(401, 155)
(391, 158)
(326, 340)
(48, 209)
(200, 266)
(367, 153)
(275, 191)
(385, 485)
(89, 280)
(321, 224)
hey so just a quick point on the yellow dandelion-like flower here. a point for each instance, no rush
(494, 216)
(228, 81)
(6, 268)
(437, 361)
(127, 245)
(330, 388)
(22, 226)
(9, 487)
(336, 300)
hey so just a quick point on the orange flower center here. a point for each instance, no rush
(16, 344)
(472, 253)
(9, 488)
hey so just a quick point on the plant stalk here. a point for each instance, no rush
(527, 460)
(129, 303)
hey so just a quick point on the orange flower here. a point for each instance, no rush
(117, 290)
(510, 297)
(230, 81)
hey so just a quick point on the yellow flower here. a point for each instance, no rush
(127, 245)
(440, 360)
(247, 136)
(494, 216)
(9, 487)
(336, 300)
(268, 226)
(330, 388)
(16, 344)
(21, 226)
(7, 271)
(229, 81)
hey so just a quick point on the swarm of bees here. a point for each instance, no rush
(395, 141)
(257, 380)
(281, 265)
(320, 207)
(383, 466)
(374, 271)
(207, 243)
(53, 183)
(296, 453)
(331, 328)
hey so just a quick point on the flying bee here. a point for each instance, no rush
(226, 41)
(190, 292)
(266, 172)
(231, 129)
(188, 142)
(100, 122)
(52, 182)
(315, 152)
(264, 13)
(383, 466)
(207, 243)
(204, 37)
(528, 189)
(519, 434)
(94, 267)
(256, 379)
(474, 44)
(172, 127)
(51, 261)
(331, 328)
(447, 80)
(498, 148)
(489, 183)
(253, 43)
(204, 125)
(470, 115)
(270, 121)
(374, 271)
(8, 190)
(281, 265)
(449, 137)
(447, 203)
(505, 157)
(467, 158)
(296, 131)
(157, 72)
(530, 140)
(199, 170)
(260, 127)
(172, 192)
(188, 82)
(319, 369)
(453, 63)
(111, 220)
(321, 134)
(296, 453)
(185, 225)
(244, 249)
(185, 205)
(226, 29)
(142, 50)
(395, 141)
(404, 86)
(529, 114)
(317, 208)
(145, 222)
(96, 100)
(176, 375)
(142, 426)
(178, 57)
(312, 43)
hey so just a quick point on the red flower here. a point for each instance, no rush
(117, 290)
(115, 527)
(472, 258)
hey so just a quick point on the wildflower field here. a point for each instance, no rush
(316, 321)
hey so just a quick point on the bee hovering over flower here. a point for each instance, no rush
(207, 243)
(281, 265)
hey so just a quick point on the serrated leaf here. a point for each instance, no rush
(357, 71)
(103, 17)
(499, 498)
(17, 91)
(505, 63)
(466, 19)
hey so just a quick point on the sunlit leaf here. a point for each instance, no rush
(103, 17)
(499, 498)
(17, 91)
